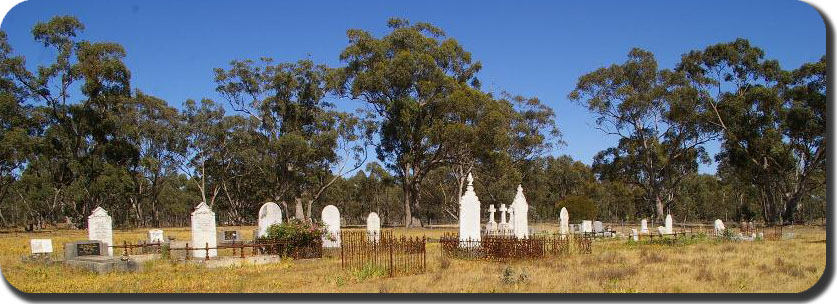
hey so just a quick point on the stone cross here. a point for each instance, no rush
(565, 221)
(491, 226)
(269, 214)
(100, 228)
(520, 214)
(203, 231)
(469, 216)
(331, 219)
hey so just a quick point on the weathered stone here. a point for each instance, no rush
(469, 215)
(156, 236)
(100, 228)
(269, 214)
(598, 227)
(669, 225)
(229, 237)
(331, 219)
(503, 227)
(373, 227)
(634, 234)
(586, 226)
(661, 230)
(643, 226)
(203, 231)
(521, 214)
(719, 226)
(40, 246)
(491, 226)
(564, 228)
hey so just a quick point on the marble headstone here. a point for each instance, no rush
(40, 246)
(565, 221)
(491, 226)
(503, 227)
(373, 227)
(661, 230)
(643, 226)
(521, 214)
(719, 226)
(634, 234)
(586, 226)
(269, 214)
(598, 227)
(669, 225)
(100, 228)
(469, 215)
(203, 231)
(156, 236)
(331, 219)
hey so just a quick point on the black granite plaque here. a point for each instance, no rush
(88, 249)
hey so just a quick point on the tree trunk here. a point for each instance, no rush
(659, 207)
(407, 214)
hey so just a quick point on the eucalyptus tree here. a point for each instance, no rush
(772, 121)
(307, 144)
(657, 119)
(417, 83)
(81, 148)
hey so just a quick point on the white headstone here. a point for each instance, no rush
(669, 225)
(491, 226)
(203, 231)
(565, 221)
(269, 214)
(598, 227)
(155, 236)
(503, 227)
(586, 226)
(331, 219)
(661, 230)
(40, 246)
(634, 234)
(100, 228)
(373, 227)
(719, 226)
(521, 214)
(643, 226)
(469, 215)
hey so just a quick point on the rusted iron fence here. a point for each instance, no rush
(390, 254)
(238, 249)
(510, 248)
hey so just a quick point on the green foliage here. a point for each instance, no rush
(579, 206)
(296, 232)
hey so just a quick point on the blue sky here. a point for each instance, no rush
(532, 48)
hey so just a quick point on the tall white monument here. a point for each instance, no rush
(643, 226)
(373, 227)
(331, 219)
(491, 226)
(521, 214)
(203, 231)
(469, 215)
(100, 228)
(565, 221)
(269, 214)
(719, 226)
(669, 224)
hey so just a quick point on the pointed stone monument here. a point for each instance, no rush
(269, 214)
(373, 227)
(203, 231)
(331, 219)
(565, 221)
(469, 215)
(100, 228)
(521, 214)
(491, 226)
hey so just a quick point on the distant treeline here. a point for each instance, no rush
(75, 135)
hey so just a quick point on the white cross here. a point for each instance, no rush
(503, 213)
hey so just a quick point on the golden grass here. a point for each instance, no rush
(614, 266)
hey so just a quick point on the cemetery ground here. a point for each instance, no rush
(614, 266)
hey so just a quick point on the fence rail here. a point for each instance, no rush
(239, 249)
(383, 251)
(491, 247)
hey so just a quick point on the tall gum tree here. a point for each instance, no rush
(413, 80)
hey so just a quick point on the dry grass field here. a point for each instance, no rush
(615, 266)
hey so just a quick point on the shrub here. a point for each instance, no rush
(295, 232)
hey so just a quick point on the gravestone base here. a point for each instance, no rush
(104, 264)
(39, 258)
(236, 261)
